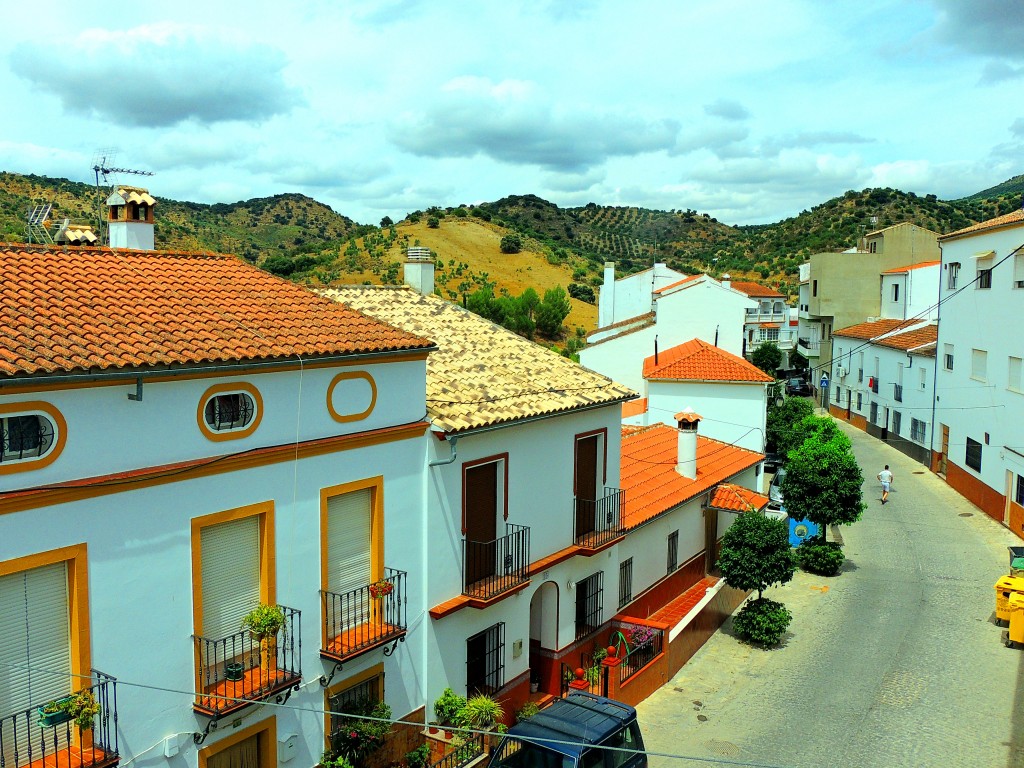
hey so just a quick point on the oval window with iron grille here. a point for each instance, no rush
(32, 435)
(229, 411)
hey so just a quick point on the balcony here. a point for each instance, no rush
(240, 669)
(599, 523)
(874, 384)
(897, 393)
(491, 568)
(362, 619)
(30, 739)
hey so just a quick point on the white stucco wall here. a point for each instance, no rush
(633, 295)
(734, 413)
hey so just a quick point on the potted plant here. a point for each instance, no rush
(418, 757)
(381, 589)
(481, 713)
(448, 709)
(81, 707)
(54, 712)
(264, 622)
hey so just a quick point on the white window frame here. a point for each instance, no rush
(979, 365)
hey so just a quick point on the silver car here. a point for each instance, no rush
(775, 490)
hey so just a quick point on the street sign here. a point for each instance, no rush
(824, 381)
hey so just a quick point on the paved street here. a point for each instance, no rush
(895, 662)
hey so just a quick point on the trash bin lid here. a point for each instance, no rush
(1010, 583)
(1016, 601)
(1017, 562)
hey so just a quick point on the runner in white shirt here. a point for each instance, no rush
(885, 477)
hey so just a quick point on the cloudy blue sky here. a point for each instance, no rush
(750, 111)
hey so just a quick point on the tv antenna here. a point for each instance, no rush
(103, 165)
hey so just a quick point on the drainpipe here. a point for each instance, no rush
(454, 451)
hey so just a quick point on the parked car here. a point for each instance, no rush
(798, 388)
(775, 499)
(772, 462)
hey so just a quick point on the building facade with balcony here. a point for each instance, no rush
(840, 289)
(979, 391)
(186, 438)
(771, 321)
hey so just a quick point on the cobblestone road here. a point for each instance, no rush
(895, 662)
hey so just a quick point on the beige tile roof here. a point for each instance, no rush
(481, 374)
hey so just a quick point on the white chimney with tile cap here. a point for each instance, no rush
(419, 269)
(686, 443)
(726, 280)
(130, 218)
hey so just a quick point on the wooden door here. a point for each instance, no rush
(481, 521)
(585, 484)
(945, 450)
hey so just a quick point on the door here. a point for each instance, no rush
(585, 484)
(945, 450)
(481, 521)
(349, 564)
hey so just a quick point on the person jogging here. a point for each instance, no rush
(885, 477)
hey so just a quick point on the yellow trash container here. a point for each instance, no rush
(1005, 587)
(1016, 632)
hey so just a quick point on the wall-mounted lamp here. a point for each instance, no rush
(570, 585)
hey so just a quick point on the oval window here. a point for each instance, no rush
(233, 410)
(25, 437)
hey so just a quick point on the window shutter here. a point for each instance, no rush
(34, 605)
(348, 541)
(231, 575)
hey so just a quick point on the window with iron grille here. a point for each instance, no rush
(984, 278)
(673, 551)
(229, 411)
(973, 455)
(485, 661)
(896, 421)
(952, 272)
(358, 699)
(874, 413)
(625, 582)
(860, 401)
(917, 430)
(589, 604)
(1019, 495)
(24, 437)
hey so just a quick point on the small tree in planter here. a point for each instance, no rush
(824, 558)
(448, 708)
(756, 555)
(264, 622)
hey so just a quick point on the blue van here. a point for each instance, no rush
(580, 731)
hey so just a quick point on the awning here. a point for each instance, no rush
(770, 325)
(984, 254)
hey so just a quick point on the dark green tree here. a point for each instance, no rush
(386, 222)
(823, 480)
(781, 421)
(552, 311)
(433, 222)
(756, 553)
(511, 243)
(767, 357)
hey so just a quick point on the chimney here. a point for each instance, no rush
(130, 218)
(419, 269)
(686, 443)
(726, 280)
(606, 299)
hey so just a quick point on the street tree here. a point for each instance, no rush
(767, 357)
(756, 553)
(823, 480)
(782, 419)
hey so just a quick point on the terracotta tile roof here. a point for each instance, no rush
(771, 325)
(1008, 219)
(755, 289)
(634, 407)
(89, 309)
(678, 283)
(630, 324)
(904, 270)
(736, 498)
(482, 374)
(872, 329)
(918, 337)
(648, 470)
(697, 360)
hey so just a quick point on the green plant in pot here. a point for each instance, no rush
(264, 622)
(481, 713)
(448, 708)
(81, 707)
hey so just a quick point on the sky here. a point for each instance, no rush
(749, 111)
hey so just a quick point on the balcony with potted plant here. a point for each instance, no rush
(255, 663)
(78, 730)
(364, 618)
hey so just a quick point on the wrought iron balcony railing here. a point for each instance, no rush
(598, 521)
(364, 618)
(240, 669)
(493, 567)
(36, 737)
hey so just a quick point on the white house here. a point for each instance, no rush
(697, 306)
(769, 321)
(729, 392)
(882, 381)
(979, 392)
(184, 438)
(911, 292)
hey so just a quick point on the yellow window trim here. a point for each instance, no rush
(76, 557)
(376, 486)
(265, 730)
(229, 434)
(349, 376)
(60, 427)
(377, 670)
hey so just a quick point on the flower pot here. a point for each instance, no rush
(534, 687)
(50, 719)
(432, 729)
(234, 671)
